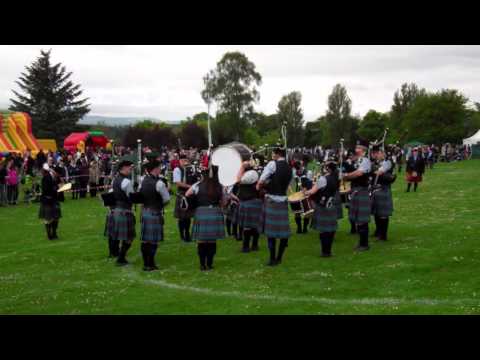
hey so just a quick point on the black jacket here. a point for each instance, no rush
(49, 190)
(417, 166)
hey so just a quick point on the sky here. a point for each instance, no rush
(164, 82)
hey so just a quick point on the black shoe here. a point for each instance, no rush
(122, 262)
(148, 268)
(299, 231)
(271, 263)
(203, 268)
(254, 248)
(362, 248)
(326, 255)
(245, 250)
(210, 267)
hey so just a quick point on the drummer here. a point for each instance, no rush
(325, 216)
(276, 223)
(303, 182)
(250, 209)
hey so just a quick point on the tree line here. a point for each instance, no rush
(56, 106)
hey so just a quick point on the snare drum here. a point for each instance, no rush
(229, 159)
(300, 204)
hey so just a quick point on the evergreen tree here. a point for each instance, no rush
(290, 113)
(50, 98)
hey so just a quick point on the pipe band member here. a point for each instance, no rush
(303, 180)
(50, 210)
(325, 215)
(415, 169)
(156, 196)
(360, 205)
(250, 208)
(382, 202)
(208, 226)
(183, 177)
(276, 223)
(123, 218)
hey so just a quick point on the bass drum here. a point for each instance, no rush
(229, 159)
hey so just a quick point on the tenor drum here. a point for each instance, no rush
(300, 204)
(229, 159)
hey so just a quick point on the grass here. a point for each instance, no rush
(428, 266)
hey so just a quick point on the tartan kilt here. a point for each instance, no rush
(250, 214)
(414, 179)
(151, 226)
(325, 219)
(276, 223)
(208, 223)
(360, 206)
(382, 202)
(123, 225)
(108, 224)
(49, 212)
(182, 214)
(338, 205)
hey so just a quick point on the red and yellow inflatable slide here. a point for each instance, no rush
(16, 133)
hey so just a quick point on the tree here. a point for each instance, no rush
(403, 100)
(233, 85)
(341, 123)
(193, 135)
(290, 113)
(315, 132)
(50, 98)
(373, 125)
(438, 117)
(265, 124)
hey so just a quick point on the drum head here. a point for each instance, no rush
(298, 196)
(229, 162)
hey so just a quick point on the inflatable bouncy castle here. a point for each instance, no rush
(80, 141)
(16, 133)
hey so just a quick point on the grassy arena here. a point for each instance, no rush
(428, 266)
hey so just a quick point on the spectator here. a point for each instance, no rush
(3, 183)
(12, 183)
(94, 177)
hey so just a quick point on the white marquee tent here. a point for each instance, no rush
(472, 140)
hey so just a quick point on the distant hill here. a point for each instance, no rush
(117, 121)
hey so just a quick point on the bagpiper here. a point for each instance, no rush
(276, 223)
(360, 205)
(415, 169)
(50, 210)
(303, 182)
(155, 196)
(382, 202)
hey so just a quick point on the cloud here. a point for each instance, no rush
(165, 81)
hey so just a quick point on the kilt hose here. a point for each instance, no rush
(182, 214)
(108, 224)
(151, 226)
(276, 223)
(360, 206)
(338, 205)
(50, 212)
(208, 224)
(325, 219)
(250, 214)
(123, 225)
(382, 202)
(413, 179)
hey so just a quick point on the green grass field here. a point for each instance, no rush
(428, 266)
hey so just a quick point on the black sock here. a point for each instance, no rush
(377, 226)
(240, 233)
(271, 246)
(281, 249)
(408, 187)
(123, 252)
(54, 228)
(306, 221)
(202, 254)
(212, 250)
(246, 239)
(116, 248)
(181, 229)
(144, 248)
(363, 232)
(384, 228)
(324, 243)
(298, 221)
(228, 223)
(255, 236)
(235, 230)
(187, 230)
(353, 227)
(49, 232)
(415, 186)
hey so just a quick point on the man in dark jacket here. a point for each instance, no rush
(415, 169)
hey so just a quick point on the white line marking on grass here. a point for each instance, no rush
(312, 299)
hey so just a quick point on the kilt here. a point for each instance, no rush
(275, 221)
(182, 214)
(338, 205)
(208, 224)
(414, 179)
(123, 225)
(108, 224)
(50, 212)
(151, 226)
(360, 206)
(382, 202)
(250, 214)
(325, 219)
